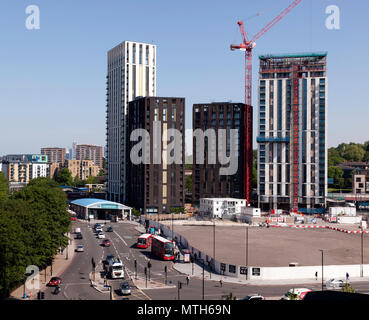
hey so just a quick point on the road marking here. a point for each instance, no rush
(121, 238)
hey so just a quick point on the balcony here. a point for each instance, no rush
(272, 140)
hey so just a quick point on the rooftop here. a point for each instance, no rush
(294, 55)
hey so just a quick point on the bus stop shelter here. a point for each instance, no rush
(100, 209)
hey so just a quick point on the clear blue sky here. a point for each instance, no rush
(52, 80)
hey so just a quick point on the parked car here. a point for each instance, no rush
(100, 235)
(125, 288)
(109, 229)
(253, 296)
(79, 235)
(335, 283)
(106, 243)
(296, 294)
(80, 248)
(54, 281)
(98, 229)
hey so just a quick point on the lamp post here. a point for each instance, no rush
(362, 253)
(172, 225)
(211, 267)
(203, 278)
(247, 252)
(322, 267)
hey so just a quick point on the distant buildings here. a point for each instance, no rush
(131, 73)
(360, 182)
(207, 180)
(82, 169)
(292, 131)
(157, 186)
(20, 169)
(54, 154)
(90, 152)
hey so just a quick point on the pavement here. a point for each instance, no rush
(186, 268)
(59, 266)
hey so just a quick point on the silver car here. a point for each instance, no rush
(335, 283)
(125, 288)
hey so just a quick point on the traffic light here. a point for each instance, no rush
(42, 295)
(135, 263)
(39, 295)
(165, 269)
(149, 264)
(145, 270)
(179, 285)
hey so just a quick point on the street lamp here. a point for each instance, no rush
(213, 240)
(247, 252)
(203, 277)
(362, 252)
(322, 266)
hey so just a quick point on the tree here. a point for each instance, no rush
(336, 173)
(136, 212)
(64, 177)
(77, 182)
(334, 157)
(91, 180)
(33, 224)
(353, 152)
(4, 188)
(188, 183)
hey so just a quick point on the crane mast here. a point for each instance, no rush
(248, 46)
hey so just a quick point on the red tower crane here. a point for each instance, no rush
(247, 46)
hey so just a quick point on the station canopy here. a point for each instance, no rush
(92, 203)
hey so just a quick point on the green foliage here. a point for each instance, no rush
(33, 224)
(348, 288)
(336, 173)
(334, 157)
(348, 152)
(64, 177)
(177, 210)
(136, 212)
(4, 188)
(188, 183)
(77, 182)
(91, 180)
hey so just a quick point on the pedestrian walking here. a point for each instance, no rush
(347, 276)
(316, 275)
(188, 280)
(221, 283)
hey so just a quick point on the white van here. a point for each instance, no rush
(296, 294)
(77, 230)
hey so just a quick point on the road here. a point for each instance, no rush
(76, 284)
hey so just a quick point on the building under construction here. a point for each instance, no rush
(292, 131)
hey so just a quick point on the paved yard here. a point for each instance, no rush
(276, 247)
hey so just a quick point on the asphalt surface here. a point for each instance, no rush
(76, 284)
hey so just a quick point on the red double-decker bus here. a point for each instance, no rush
(144, 240)
(162, 248)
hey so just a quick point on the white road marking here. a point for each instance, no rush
(121, 238)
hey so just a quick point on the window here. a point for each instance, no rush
(256, 271)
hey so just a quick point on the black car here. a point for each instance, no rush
(79, 235)
(110, 229)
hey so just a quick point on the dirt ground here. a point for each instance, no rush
(277, 247)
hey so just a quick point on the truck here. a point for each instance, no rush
(115, 268)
